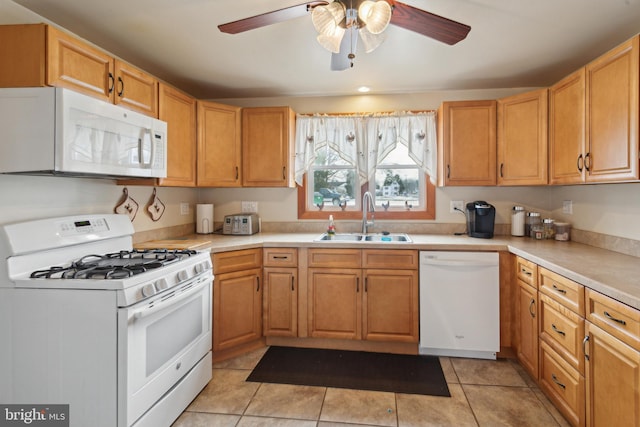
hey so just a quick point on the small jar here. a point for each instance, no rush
(537, 232)
(563, 231)
(533, 218)
(517, 221)
(549, 228)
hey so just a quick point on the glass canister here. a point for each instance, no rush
(563, 231)
(532, 219)
(548, 225)
(517, 221)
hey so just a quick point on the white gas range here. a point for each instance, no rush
(122, 336)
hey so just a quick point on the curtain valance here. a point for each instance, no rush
(364, 141)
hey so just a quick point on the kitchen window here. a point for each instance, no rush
(338, 158)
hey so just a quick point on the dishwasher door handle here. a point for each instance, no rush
(458, 262)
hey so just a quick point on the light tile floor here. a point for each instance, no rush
(483, 393)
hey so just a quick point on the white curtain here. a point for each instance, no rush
(364, 141)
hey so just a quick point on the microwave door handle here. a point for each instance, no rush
(143, 133)
(146, 311)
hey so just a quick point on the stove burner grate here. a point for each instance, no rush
(116, 265)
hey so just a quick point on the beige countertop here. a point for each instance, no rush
(611, 273)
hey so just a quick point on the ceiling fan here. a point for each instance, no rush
(340, 22)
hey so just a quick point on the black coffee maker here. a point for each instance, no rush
(480, 219)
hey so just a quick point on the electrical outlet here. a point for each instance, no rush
(456, 206)
(184, 208)
(250, 207)
(567, 207)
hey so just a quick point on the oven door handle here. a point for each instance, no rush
(146, 311)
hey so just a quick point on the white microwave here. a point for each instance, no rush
(55, 131)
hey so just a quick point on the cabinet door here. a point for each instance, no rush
(613, 381)
(78, 66)
(179, 111)
(567, 130)
(335, 303)
(612, 114)
(390, 305)
(280, 302)
(527, 324)
(135, 89)
(522, 139)
(237, 308)
(467, 143)
(267, 147)
(219, 145)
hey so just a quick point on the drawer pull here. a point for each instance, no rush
(558, 330)
(525, 271)
(555, 380)
(557, 289)
(531, 305)
(280, 257)
(610, 317)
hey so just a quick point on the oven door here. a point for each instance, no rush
(159, 340)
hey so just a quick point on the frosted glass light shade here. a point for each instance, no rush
(332, 42)
(375, 14)
(369, 40)
(327, 18)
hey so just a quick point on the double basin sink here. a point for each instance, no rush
(359, 237)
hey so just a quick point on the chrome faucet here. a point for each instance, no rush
(367, 207)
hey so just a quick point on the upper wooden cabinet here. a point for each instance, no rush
(567, 130)
(267, 147)
(522, 139)
(467, 143)
(612, 114)
(219, 145)
(41, 55)
(179, 111)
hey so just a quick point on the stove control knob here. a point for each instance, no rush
(161, 284)
(183, 275)
(198, 268)
(148, 290)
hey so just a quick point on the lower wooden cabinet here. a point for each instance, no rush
(527, 323)
(237, 298)
(280, 294)
(612, 380)
(377, 304)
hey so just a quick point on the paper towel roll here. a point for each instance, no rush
(204, 218)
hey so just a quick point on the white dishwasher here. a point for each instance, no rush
(460, 304)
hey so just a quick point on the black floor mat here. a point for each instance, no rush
(359, 370)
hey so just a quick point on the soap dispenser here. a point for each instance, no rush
(331, 229)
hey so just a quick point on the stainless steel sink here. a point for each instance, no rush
(392, 237)
(339, 237)
(358, 237)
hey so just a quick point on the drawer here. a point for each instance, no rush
(563, 385)
(400, 259)
(226, 262)
(335, 258)
(616, 318)
(280, 257)
(563, 330)
(565, 291)
(527, 271)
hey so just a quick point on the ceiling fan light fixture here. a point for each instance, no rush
(375, 14)
(332, 42)
(370, 41)
(327, 18)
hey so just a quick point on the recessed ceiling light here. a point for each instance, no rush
(364, 89)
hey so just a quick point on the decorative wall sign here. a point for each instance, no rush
(155, 207)
(127, 205)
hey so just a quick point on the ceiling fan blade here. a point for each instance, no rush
(269, 18)
(427, 23)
